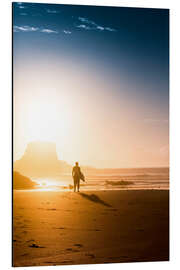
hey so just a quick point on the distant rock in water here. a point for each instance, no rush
(40, 160)
(119, 183)
(22, 182)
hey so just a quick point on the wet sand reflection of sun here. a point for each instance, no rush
(51, 184)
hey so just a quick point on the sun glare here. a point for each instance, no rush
(47, 121)
(51, 184)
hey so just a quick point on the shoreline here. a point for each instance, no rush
(89, 189)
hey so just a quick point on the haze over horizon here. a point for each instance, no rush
(40, 151)
(93, 80)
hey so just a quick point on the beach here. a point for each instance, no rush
(110, 226)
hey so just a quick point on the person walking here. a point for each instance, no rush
(77, 175)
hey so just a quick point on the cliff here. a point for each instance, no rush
(40, 160)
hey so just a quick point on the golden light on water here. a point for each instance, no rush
(51, 184)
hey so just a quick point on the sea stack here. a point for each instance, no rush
(40, 160)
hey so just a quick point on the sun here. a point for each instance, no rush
(47, 121)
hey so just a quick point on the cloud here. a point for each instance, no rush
(67, 32)
(85, 20)
(25, 28)
(20, 5)
(91, 25)
(86, 24)
(83, 26)
(110, 29)
(49, 31)
(101, 28)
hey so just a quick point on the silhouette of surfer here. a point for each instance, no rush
(77, 175)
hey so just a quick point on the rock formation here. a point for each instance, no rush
(40, 160)
(22, 182)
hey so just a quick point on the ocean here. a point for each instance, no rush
(111, 180)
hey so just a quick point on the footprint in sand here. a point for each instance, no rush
(111, 209)
(113, 258)
(90, 255)
(70, 262)
(25, 254)
(78, 245)
(52, 263)
(26, 220)
(23, 226)
(72, 250)
(31, 240)
(19, 222)
(61, 228)
(35, 246)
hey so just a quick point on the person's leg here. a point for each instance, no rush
(74, 185)
(78, 184)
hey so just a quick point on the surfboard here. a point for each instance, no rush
(82, 177)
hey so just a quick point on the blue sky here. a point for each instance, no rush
(122, 52)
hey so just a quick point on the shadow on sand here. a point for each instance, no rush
(94, 198)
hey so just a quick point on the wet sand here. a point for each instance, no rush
(58, 228)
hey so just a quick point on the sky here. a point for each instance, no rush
(94, 80)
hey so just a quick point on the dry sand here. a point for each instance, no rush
(57, 228)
